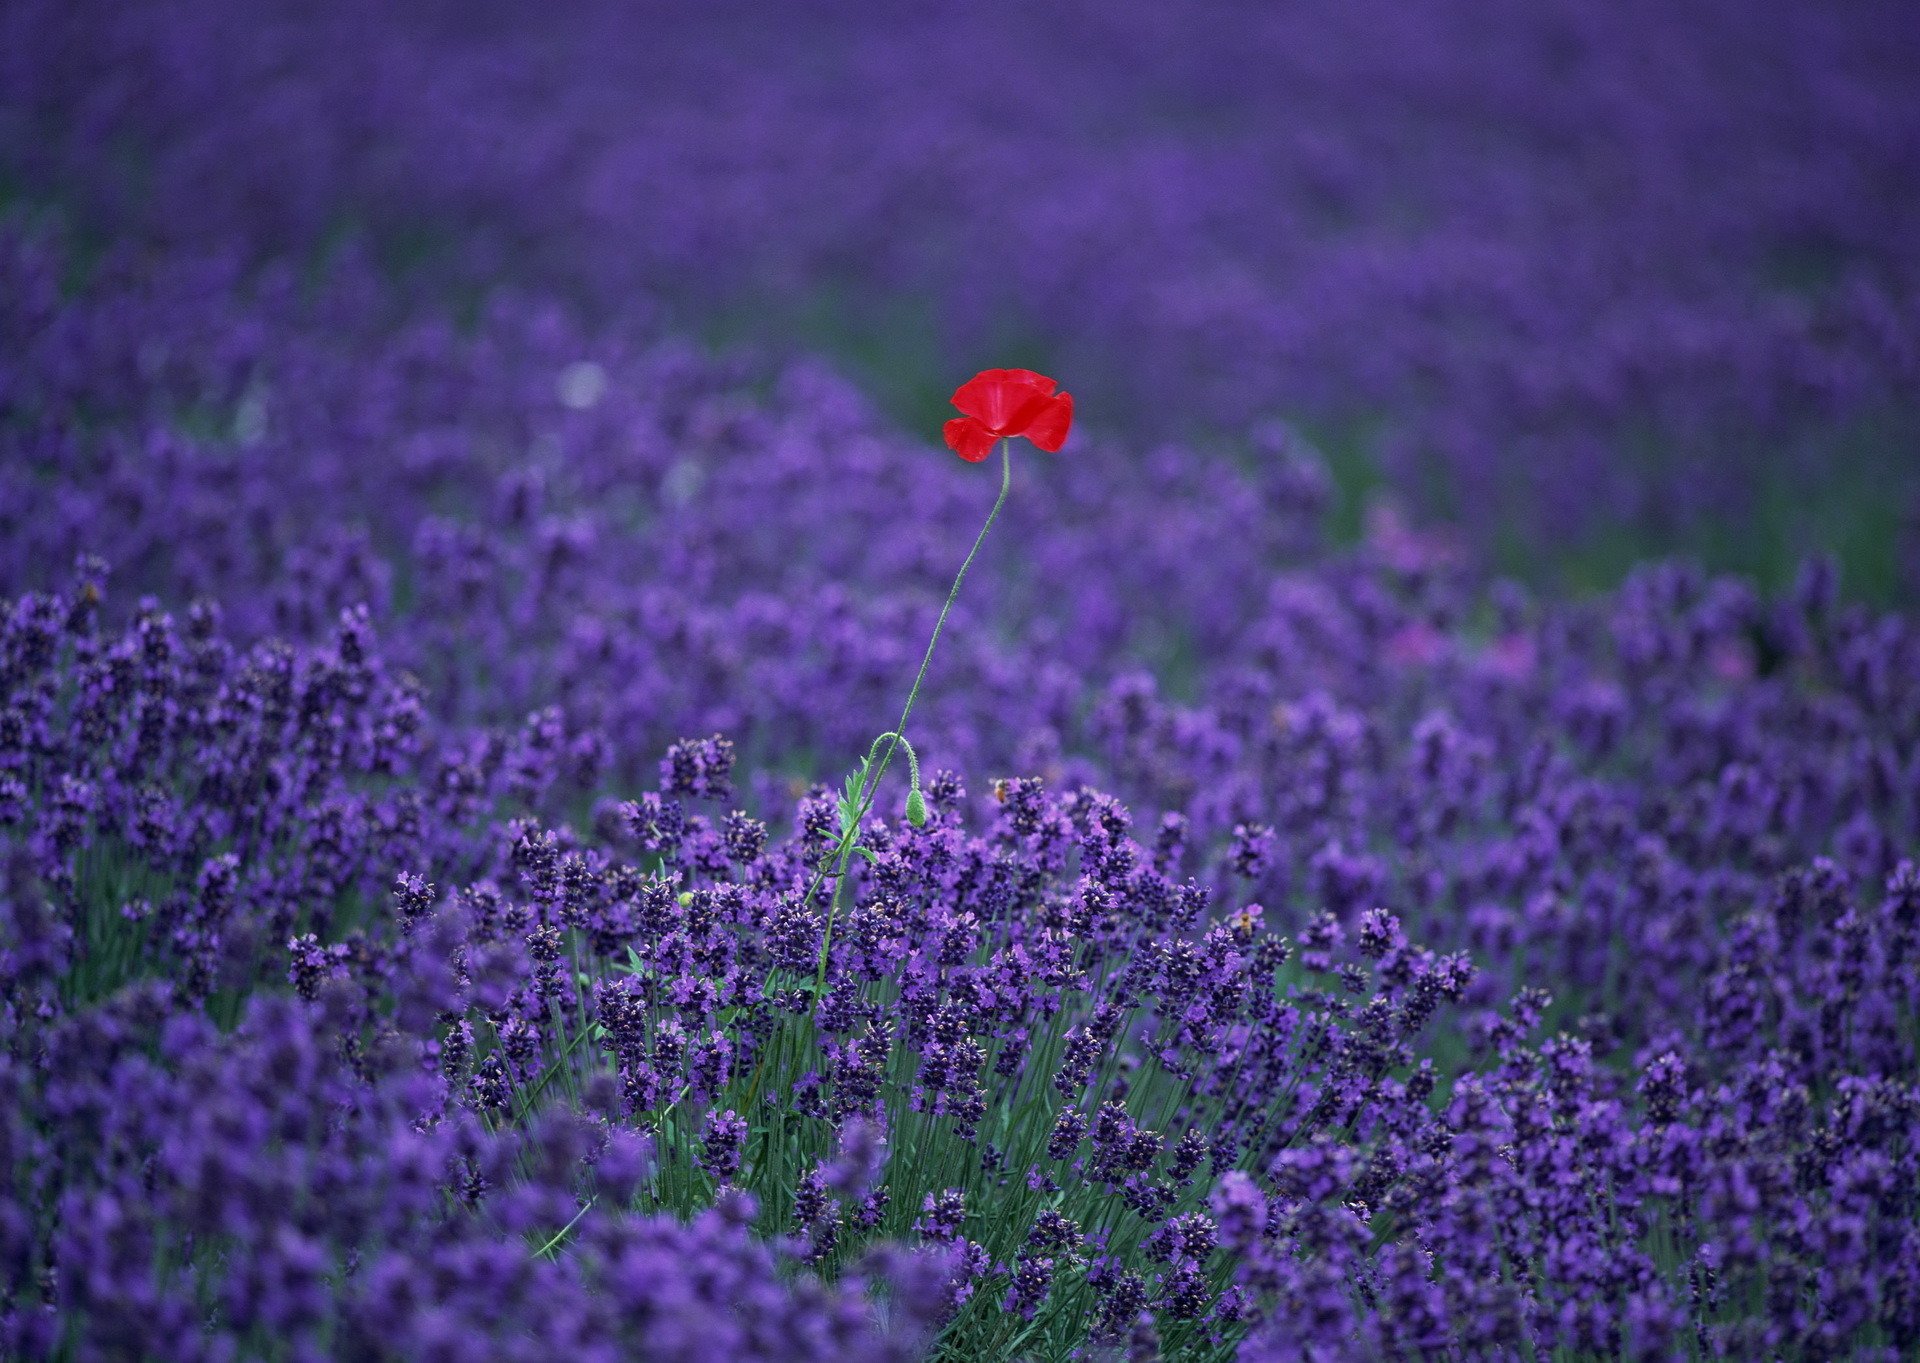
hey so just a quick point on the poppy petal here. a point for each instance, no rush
(1025, 414)
(969, 439)
(1048, 427)
(1027, 377)
(996, 396)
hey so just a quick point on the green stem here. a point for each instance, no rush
(871, 789)
(1006, 485)
(836, 861)
(549, 1247)
(546, 1075)
(913, 760)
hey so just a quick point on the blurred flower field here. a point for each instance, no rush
(1415, 808)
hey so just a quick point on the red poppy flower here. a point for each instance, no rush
(1005, 402)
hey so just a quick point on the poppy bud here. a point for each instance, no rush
(916, 808)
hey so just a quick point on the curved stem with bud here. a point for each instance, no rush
(864, 786)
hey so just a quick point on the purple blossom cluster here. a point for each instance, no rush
(428, 926)
(1034, 1083)
(244, 1112)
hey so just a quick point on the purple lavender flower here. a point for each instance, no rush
(720, 1144)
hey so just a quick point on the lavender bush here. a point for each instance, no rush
(431, 921)
(1056, 1084)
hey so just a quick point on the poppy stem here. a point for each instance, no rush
(1006, 483)
(913, 760)
(870, 788)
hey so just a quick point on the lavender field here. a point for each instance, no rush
(1405, 844)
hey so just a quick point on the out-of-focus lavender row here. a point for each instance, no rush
(609, 524)
(1580, 270)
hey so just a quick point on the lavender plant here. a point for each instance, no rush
(1301, 943)
(1048, 1094)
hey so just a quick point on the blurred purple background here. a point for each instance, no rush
(1585, 280)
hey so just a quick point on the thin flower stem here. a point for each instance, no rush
(836, 861)
(1006, 485)
(549, 1247)
(913, 761)
(870, 789)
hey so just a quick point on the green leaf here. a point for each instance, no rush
(850, 797)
